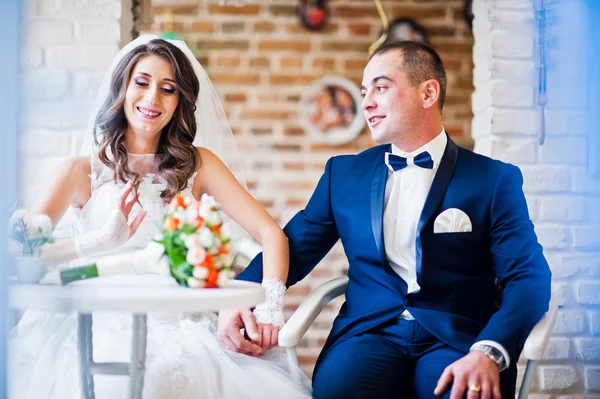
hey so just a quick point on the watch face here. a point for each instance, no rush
(496, 354)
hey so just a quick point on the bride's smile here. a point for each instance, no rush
(148, 113)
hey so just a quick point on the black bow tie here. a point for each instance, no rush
(396, 162)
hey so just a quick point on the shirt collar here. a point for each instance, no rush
(435, 148)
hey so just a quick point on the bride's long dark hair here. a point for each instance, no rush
(176, 157)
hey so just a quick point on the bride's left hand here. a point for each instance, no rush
(268, 336)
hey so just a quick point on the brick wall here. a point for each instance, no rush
(261, 60)
(562, 197)
(67, 47)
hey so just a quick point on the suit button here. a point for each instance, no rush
(409, 302)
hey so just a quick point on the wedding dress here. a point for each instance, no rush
(184, 358)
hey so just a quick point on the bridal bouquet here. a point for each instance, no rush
(196, 242)
(30, 237)
(193, 247)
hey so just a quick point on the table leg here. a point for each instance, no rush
(138, 356)
(85, 349)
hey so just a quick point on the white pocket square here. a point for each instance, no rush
(452, 220)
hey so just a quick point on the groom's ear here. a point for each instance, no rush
(429, 93)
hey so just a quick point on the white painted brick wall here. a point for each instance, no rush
(557, 377)
(68, 44)
(564, 201)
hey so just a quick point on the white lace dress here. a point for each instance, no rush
(184, 358)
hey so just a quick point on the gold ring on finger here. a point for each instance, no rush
(475, 388)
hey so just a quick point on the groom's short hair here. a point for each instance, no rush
(420, 63)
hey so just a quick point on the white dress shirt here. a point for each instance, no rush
(405, 194)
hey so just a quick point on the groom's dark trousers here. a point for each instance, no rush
(399, 359)
(456, 273)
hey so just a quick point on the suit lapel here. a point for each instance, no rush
(437, 191)
(377, 201)
(440, 183)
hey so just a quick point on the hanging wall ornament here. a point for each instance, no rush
(542, 98)
(313, 14)
(385, 26)
(401, 29)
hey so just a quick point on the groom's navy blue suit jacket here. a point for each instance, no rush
(455, 271)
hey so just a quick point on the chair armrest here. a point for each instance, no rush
(247, 248)
(295, 328)
(536, 342)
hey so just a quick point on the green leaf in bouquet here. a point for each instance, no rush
(187, 229)
(178, 241)
(182, 272)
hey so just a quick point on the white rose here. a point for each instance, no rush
(180, 215)
(225, 260)
(206, 204)
(200, 273)
(195, 283)
(224, 277)
(191, 213)
(187, 201)
(208, 199)
(195, 255)
(213, 218)
(206, 237)
(227, 231)
(191, 241)
(17, 215)
(42, 224)
(204, 210)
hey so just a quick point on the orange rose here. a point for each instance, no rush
(211, 279)
(223, 250)
(172, 223)
(198, 221)
(209, 261)
(176, 202)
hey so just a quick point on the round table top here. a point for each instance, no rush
(135, 294)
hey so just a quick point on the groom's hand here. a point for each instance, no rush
(228, 331)
(470, 374)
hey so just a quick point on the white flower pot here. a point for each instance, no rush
(31, 269)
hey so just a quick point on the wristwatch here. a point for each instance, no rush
(494, 354)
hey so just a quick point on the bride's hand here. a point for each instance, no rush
(115, 231)
(126, 207)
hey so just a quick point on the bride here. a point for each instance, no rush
(156, 129)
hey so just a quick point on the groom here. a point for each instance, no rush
(427, 227)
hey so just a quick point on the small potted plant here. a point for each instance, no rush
(29, 237)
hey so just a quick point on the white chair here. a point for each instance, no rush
(295, 328)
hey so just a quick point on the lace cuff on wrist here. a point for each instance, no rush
(271, 310)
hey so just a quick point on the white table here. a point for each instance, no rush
(149, 294)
